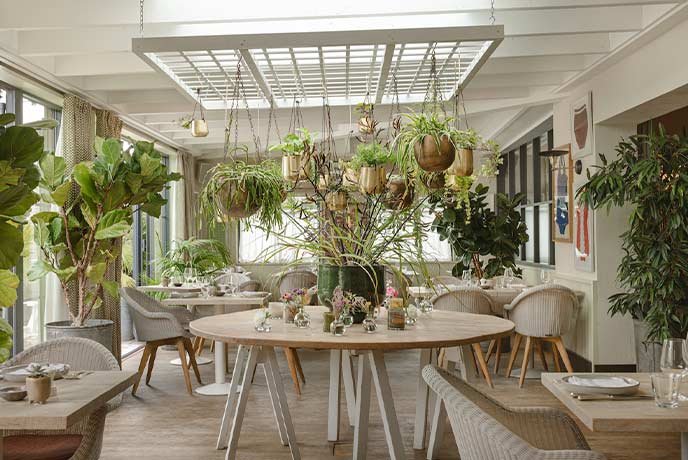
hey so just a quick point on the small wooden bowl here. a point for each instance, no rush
(13, 393)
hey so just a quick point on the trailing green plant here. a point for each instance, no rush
(78, 241)
(20, 148)
(650, 174)
(263, 184)
(205, 255)
(372, 154)
(468, 139)
(299, 143)
(477, 231)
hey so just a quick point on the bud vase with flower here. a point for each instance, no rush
(293, 302)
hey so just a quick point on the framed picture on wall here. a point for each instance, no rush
(584, 240)
(562, 196)
(581, 126)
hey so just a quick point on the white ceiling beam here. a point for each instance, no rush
(384, 73)
(297, 72)
(556, 45)
(323, 76)
(121, 82)
(519, 79)
(266, 55)
(258, 76)
(37, 14)
(428, 50)
(551, 63)
(96, 64)
(143, 95)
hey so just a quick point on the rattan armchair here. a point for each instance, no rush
(484, 429)
(159, 325)
(84, 439)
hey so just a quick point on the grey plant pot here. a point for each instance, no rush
(99, 330)
(647, 354)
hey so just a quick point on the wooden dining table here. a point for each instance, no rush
(73, 401)
(631, 416)
(431, 332)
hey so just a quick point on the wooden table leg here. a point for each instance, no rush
(231, 398)
(422, 397)
(243, 399)
(362, 409)
(334, 397)
(349, 386)
(386, 402)
(282, 400)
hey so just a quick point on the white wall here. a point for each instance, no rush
(625, 93)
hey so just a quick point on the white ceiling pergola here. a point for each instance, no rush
(342, 66)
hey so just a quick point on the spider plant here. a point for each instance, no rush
(260, 184)
(414, 131)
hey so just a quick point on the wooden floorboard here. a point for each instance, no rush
(164, 423)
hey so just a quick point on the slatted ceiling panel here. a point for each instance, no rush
(343, 72)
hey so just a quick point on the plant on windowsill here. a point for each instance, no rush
(206, 256)
(650, 174)
(20, 148)
(78, 241)
(476, 231)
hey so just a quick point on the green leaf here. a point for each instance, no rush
(148, 165)
(9, 176)
(8, 288)
(115, 197)
(12, 244)
(113, 224)
(7, 118)
(95, 272)
(39, 269)
(153, 205)
(112, 288)
(112, 152)
(21, 146)
(66, 274)
(46, 123)
(52, 170)
(82, 175)
(23, 205)
(59, 196)
(134, 181)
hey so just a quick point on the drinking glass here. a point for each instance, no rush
(188, 275)
(665, 388)
(673, 360)
(546, 276)
(508, 277)
(466, 277)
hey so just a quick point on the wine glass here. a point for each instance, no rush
(545, 276)
(508, 276)
(466, 277)
(673, 359)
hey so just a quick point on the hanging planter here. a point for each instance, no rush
(434, 181)
(297, 149)
(336, 201)
(366, 121)
(433, 154)
(372, 157)
(291, 164)
(237, 204)
(463, 163)
(372, 179)
(399, 194)
(199, 127)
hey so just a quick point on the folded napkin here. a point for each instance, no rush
(599, 382)
(517, 286)
(49, 368)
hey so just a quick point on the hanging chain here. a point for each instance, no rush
(240, 83)
(433, 93)
(141, 18)
(492, 12)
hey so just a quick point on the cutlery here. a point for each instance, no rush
(603, 397)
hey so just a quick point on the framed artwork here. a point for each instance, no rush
(562, 196)
(581, 126)
(584, 252)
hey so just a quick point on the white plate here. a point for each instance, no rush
(9, 375)
(600, 384)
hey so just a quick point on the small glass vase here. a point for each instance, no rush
(337, 328)
(369, 324)
(347, 318)
(328, 318)
(412, 314)
(263, 326)
(290, 310)
(302, 319)
(396, 315)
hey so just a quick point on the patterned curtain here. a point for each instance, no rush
(188, 172)
(78, 137)
(109, 125)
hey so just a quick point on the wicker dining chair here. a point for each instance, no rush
(84, 439)
(484, 429)
(159, 325)
(542, 314)
(466, 299)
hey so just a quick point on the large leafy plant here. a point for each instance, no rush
(477, 231)
(20, 148)
(650, 174)
(206, 256)
(78, 241)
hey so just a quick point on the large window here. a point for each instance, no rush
(525, 171)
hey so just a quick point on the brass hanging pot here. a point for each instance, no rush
(199, 127)
(336, 201)
(291, 164)
(304, 167)
(463, 163)
(350, 177)
(432, 157)
(372, 179)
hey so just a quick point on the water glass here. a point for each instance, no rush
(665, 388)
(466, 277)
(673, 360)
(546, 276)
(508, 277)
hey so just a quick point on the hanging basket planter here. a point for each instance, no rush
(372, 179)
(463, 163)
(336, 201)
(235, 199)
(432, 157)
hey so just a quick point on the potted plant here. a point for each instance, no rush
(476, 230)
(366, 122)
(78, 241)
(373, 156)
(465, 142)
(206, 256)
(400, 192)
(238, 190)
(38, 384)
(20, 148)
(650, 174)
(352, 171)
(425, 142)
(296, 149)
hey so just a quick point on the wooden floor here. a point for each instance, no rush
(164, 423)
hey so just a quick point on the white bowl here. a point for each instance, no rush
(595, 384)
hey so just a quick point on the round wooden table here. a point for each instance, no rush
(437, 330)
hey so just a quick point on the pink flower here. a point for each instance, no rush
(391, 292)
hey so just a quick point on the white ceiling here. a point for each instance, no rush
(87, 45)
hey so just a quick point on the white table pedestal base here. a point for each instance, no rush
(199, 361)
(216, 389)
(531, 374)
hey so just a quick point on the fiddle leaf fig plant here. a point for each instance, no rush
(78, 241)
(650, 174)
(20, 148)
(484, 233)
